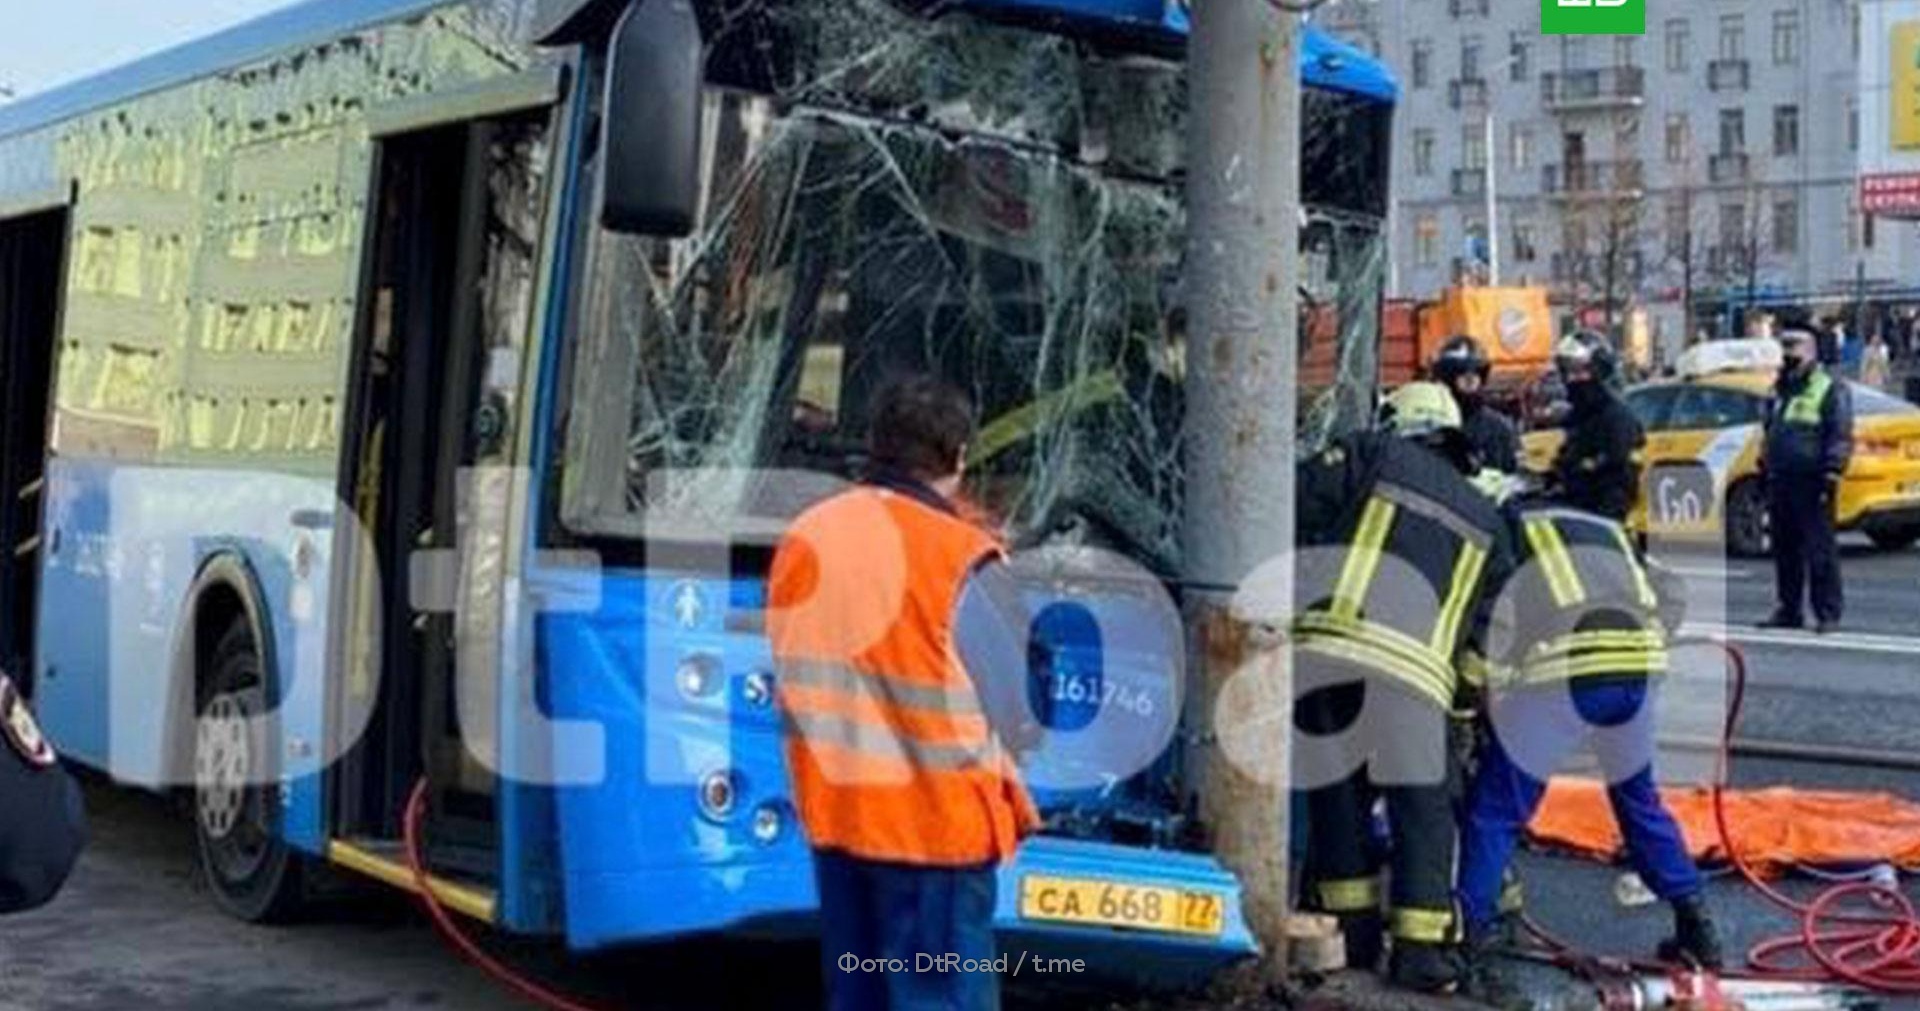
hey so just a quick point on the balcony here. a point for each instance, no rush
(1727, 75)
(1469, 182)
(1467, 93)
(1608, 88)
(1728, 167)
(1622, 179)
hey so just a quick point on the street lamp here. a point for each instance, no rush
(1490, 185)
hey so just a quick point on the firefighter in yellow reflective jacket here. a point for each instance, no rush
(1399, 550)
(1577, 639)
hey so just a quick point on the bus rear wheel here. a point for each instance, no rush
(255, 876)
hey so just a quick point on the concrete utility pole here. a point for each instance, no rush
(1243, 202)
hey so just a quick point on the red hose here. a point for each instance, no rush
(1856, 933)
(1862, 933)
(448, 929)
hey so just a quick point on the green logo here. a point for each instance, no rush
(1593, 17)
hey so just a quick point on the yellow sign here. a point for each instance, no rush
(1905, 74)
(1117, 904)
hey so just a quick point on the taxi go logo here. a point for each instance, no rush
(1593, 17)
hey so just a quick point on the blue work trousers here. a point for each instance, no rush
(873, 912)
(1538, 724)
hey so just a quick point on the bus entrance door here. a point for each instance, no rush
(32, 276)
(451, 270)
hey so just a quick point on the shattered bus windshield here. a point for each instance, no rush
(839, 249)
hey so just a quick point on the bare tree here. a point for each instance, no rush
(1601, 236)
(1742, 233)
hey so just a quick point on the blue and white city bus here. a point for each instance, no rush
(352, 415)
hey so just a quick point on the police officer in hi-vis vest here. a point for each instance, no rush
(899, 643)
(1809, 441)
(1399, 552)
(42, 821)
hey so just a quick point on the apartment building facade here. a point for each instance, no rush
(1715, 155)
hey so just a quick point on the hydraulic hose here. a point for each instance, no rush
(444, 924)
(1863, 933)
(1857, 933)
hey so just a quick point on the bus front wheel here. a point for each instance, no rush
(253, 873)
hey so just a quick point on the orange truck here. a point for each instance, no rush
(1514, 325)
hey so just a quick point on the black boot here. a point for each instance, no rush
(1489, 977)
(1424, 968)
(1695, 941)
(1365, 935)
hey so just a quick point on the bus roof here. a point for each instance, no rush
(1326, 61)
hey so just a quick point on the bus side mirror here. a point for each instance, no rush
(650, 122)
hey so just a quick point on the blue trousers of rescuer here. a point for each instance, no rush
(1536, 729)
(885, 927)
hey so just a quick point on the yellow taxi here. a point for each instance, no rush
(1700, 474)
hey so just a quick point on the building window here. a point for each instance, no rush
(1733, 226)
(1679, 227)
(1853, 123)
(1520, 147)
(1526, 246)
(1786, 225)
(1573, 52)
(1733, 37)
(1679, 44)
(1677, 137)
(1786, 131)
(1520, 57)
(1733, 131)
(1853, 26)
(1470, 58)
(1786, 37)
(1426, 240)
(1573, 236)
(1626, 51)
(1423, 152)
(1422, 63)
(1626, 136)
(1473, 146)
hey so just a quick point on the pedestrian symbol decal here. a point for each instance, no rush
(689, 606)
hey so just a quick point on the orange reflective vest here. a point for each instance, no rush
(890, 751)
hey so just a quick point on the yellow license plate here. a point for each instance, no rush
(1117, 904)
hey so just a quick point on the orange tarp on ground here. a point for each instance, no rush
(1772, 828)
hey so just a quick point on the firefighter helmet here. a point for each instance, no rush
(1461, 355)
(1418, 409)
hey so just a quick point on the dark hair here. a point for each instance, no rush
(920, 425)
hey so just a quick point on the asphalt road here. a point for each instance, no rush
(134, 931)
(1857, 691)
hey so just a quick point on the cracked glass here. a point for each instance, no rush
(886, 194)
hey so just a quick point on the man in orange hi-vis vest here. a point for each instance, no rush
(899, 641)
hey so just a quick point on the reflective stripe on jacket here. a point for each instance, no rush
(1410, 568)
(891, 754)
(1582, 603)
